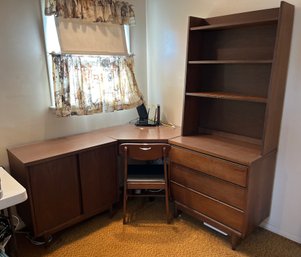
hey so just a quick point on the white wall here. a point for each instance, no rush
(24, 96)
(138, 37)
(167, 22)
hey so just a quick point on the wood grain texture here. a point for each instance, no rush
(245, 17)
(242, 118)
(229, 96)
(55, 193)
(218, 211)
(99, 180)
(45, 150)
(209, 185)
(191, 116)
(235, 83)
(252, 44)
(260, 188)
(73, 178)
(278, 78)
(237, 24)
(131, 133)
(216, 167)
(230, 78)
(228, 149)
(201, 216)
(49, 149)
(231, 62)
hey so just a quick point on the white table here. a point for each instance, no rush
(12, 193)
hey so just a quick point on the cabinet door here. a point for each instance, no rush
(98, 172)
(55, 193)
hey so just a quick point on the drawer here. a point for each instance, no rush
(216, 210)
(226, 170)
(219, 189)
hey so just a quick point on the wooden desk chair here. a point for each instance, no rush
(145, 177)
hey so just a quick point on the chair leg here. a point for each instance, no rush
(168, 218)
(124, 205)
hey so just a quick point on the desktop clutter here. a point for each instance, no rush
(144, 119)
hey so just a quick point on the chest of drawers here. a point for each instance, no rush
(230, 193)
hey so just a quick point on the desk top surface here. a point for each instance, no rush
(136, 133)
(31, 153)
(12, 192)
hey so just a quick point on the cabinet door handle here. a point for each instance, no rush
(145, 148)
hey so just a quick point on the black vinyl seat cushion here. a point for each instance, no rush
(145, 172)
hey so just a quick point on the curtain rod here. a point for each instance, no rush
(93, 54)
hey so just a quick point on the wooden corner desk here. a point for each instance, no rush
(72, 178)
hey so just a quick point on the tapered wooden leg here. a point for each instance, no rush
(168, 216)
(235, 240)
(113, 211)
(177, 212)
(124, 205)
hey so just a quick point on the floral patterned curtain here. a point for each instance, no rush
(112, 11)
(99, 84)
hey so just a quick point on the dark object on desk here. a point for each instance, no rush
(144, 119)
(145, 177)
(146, 123)
(158, 115)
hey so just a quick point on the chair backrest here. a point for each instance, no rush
(144, 151)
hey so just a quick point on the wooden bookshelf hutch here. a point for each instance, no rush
(222, 167)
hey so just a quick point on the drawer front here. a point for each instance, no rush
(219, 189)
(216, 210)
(229, 171)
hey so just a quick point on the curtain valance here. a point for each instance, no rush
(117, 12)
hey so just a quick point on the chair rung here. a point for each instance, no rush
(139, 185)
(130, 180)
(147, 195)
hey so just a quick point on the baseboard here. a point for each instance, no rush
(280, 232)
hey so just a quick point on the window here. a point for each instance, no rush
(90, 69)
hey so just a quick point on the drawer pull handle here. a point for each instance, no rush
(145, 148)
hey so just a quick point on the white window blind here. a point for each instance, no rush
(77, 37)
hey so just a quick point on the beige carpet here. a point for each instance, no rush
(149, 235)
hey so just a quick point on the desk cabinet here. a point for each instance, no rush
(98, 173)
(54, 193)
(72, 178)
(66, 183)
